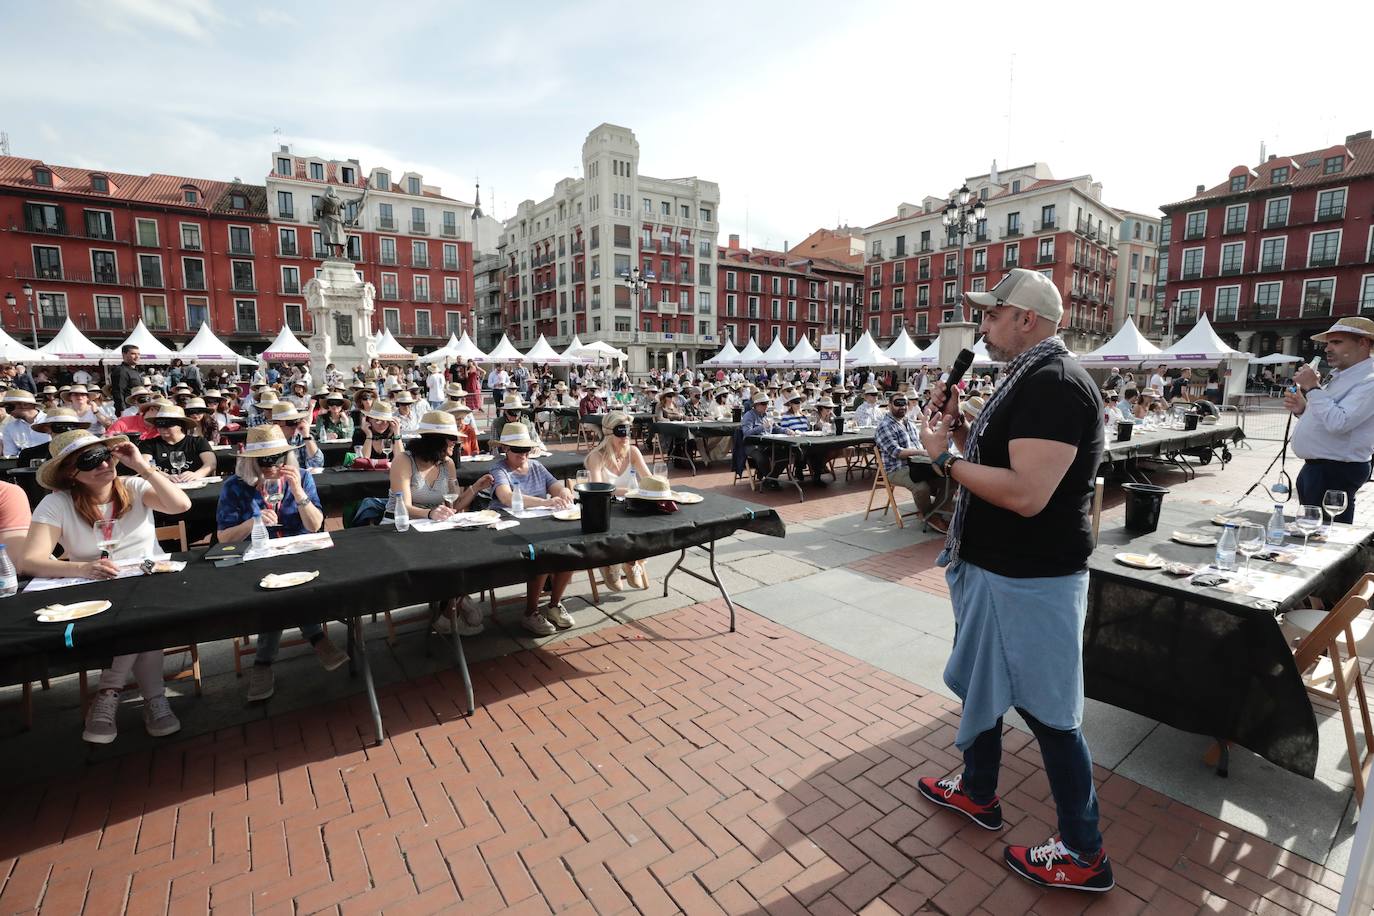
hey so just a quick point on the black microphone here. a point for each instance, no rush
(956, 373)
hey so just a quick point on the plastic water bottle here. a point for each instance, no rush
(517, 501)
(259, 539)
(399, 513)
(1276, 529)
(9, 578)
(634, 482)
(1226, 548)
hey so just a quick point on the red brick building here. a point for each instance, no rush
(764, 293)
(1276, 251)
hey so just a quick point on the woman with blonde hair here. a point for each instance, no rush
(615, 459)
(99, 519)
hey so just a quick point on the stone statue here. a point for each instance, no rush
(330, 213)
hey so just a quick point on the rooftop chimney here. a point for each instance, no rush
(1362, 135)
(1272, 157)
(785, 246)
(734, 240)
(1200, 189)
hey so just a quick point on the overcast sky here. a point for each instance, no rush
(806, 113)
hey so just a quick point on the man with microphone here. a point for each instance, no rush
(1334, 434)
(1016, 559)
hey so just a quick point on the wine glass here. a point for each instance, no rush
(1309, 520)
(1333, 503)
(1249, 542)
(272, 492)
(583, 477)
(178, 462)
(451, 499)
(659, 469)
(386, 448)
(104, 536)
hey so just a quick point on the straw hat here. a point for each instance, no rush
(213, 394)
(971, 407)
(517, 435)
(870, 388)
(761, 398)
(455, 391)
(513, 401)
(336, 397)
(265, 441)
(654, 489)
(167, 411)
(137, 391)
(76, 389)
(321, 392)
(284, 411)
(1356, 327)
(49, 389)
(60, 416)
(380, 410)
(437, 423)
(196, 404)
(267, 398)
(826, 402)
(63, 446)
(18, 396)
(561, 386)
(455, 407)
(403, 397)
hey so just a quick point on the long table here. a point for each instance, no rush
(800, 445)
(1202, 659)
(676, 435)
(367, 570)
(1168, 446)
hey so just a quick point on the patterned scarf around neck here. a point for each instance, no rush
(1018, 368)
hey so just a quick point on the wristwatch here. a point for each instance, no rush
(945, 463)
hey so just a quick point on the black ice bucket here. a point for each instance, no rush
(839, 425)
(1190, 420)
(1143, 502)
(1123, 431)
(737, 413)
(596, 506)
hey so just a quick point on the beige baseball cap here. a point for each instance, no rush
(1024, 289)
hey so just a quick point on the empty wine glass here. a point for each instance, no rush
(1309, 520)
(659, 469)
(272, 492)
(1333, 503)
(583, 477)
(104, 536)
(1249, 542)
(178, 462)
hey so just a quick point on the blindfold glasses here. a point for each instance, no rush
(899, 403)
(165, 424)
(621, 432)
(518, 449)
(92, 459)
(270, 461)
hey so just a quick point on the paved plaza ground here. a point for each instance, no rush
(651, 761)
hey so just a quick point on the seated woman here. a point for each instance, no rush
(202, 423)
(667, 407)
(334, 424)
(616, 460)
(544, 417)
(406, 418)
(362, 403)
(424, 474)
(517, 471)
(268, 457)
(379, 434)
(468, 443)
(181, 456)
(86, 489)
(57, 421)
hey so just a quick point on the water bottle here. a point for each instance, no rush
(9, 578)
(259, 538)
(1276, 529)
(399, 513)
(1226, 548)
(634, 482)
(517, 501)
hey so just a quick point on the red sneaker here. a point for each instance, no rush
(947, 792)
(1052, 865)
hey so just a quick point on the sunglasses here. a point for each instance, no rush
(519, 449)
(93, 458)
(142, 399)
(165, 424)
(899, 403)
(270, 461)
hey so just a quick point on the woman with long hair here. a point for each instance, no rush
(473, 384)
(614, 460)
(101, 519)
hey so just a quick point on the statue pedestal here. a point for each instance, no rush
(341, 312)
(955, 336)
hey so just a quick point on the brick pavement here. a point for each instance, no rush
(660, 766)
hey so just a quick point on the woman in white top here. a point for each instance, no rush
(86, 490)
(615, 459)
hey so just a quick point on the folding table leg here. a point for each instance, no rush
(462, 662)
(357, 651)
(710, 550)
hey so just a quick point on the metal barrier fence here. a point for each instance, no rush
(1265, 421)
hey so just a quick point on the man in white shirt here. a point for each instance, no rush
(19, 433)
(434, 386)
(81, 377)
(869, 413)
(1334, 432)
(1157, 380)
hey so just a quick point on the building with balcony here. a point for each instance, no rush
(489, 300)
(1277, 251)
(411, 242)
(567, 256)
(107, 249)
(1058, 226)
(1138, 273)
(765, 294)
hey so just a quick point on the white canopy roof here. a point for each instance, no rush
(150, 349)
(728, 356)
(543, 352)
(777, 354)
(504, 352)
(600, 350)
(981, 357)
(466, 350)
(1201, 346)
(205, 347)
(867, 353)
(751, 355)
(803, 354)
(572, 355)
(905, 351)
(71, 347)
(1274, 359)
(443, 353)
(1127, 346)
(285, 348)
(13, 351)
(390, 349)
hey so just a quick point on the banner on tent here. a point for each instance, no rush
(832, 353)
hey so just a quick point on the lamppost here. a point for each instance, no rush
(637, 285)
(1173, 316)
(33, 318)
(963, 219)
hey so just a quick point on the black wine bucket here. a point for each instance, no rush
(1123, 431)
(737, 413)
(1143, 502)
(1190, 421)
(596, 506)
(839, 425)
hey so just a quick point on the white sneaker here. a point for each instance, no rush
(469, 621)
(639, 576)
(537, 624)
(159, 719)
(558, 615)
(100, 718)
(611, 576)
(261, 683)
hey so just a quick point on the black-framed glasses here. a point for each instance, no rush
(899, 403)
(91, 459)
(142, 399)
(271, 461)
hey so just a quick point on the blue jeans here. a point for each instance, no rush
(1069, 767)
(1318, 476)
(269, 642)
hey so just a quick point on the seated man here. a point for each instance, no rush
(899, 439)
(756, 422)
(869, 412)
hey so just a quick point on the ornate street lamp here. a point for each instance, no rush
(962, 219)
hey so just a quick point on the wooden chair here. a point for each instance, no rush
(191, 669)
(1098, 485)
(880, 479)
(588, 437)
(1330, 667)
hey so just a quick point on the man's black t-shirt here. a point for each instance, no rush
(160, 452)
(1058, 401)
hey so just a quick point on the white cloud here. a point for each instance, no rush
(190, 18)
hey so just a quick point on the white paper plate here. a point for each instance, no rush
(1140, 560)
(63, 613)
(287, 580)
(689, 499)
(1194, 538)
(569, 515)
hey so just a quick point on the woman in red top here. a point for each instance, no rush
(474, 386)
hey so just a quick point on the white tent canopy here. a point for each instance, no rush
(728, 356)
(504, 352)
(803, 354)
(572, 355)
(1274, 359)
(150, 349)
(905, 351)
(285, 348)
(867, 353)
(1127, 346)
(71, 347)
(388, 348)
(12, 351)
(777, 354)
(542, 352)
(599, 350)
(981, 357)
(751, 355)
(443, 353)
(1200, 346)
(205, 347)
(466, 350)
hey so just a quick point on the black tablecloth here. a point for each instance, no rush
(1170, 441)
(368, 570)
(810, 443)
(695, 429)
(1201, 659)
